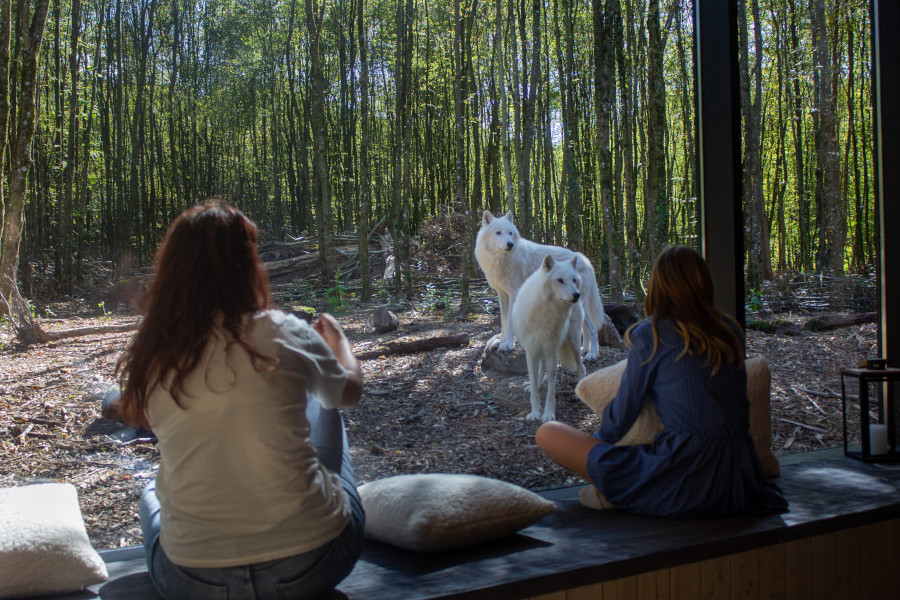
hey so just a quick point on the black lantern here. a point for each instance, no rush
(874, 428)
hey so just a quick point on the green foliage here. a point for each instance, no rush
(754, 302)
(227, 114)
(334, 296)
(437, 298)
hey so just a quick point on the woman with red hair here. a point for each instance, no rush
(255, 495)
(687, 358)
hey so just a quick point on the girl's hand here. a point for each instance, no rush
(328, 327)
(330, 330)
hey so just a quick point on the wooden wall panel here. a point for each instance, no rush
(852, 564)
(554, 596)
(653, 586)
(773, 573)
(715, 578)
(685, 582)
(891, 531)
(745, 575)
(588, 592)
(798, 562)
(824, 563)
(620, 589)
(847, 568)
(871, 563)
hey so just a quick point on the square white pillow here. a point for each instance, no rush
(442, 511)
(44, 547)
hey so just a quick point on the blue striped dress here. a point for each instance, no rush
(704, 462)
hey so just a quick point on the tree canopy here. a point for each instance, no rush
(323, 117)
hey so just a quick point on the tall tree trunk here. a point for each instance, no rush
(755, 224)
(657, 205)
(71, 152)
(859, 248)
(5, 17)
(314, 17)
(365, 192)
(399, 216)
(529, 94)
(504, 106)
(691, 189)
(20, 152)
(472, 212)
(627, 97)
(803, 225)
(459, 130)
(571, 173)
(829, 206)
(607, 21)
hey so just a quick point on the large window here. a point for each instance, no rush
(744, 128)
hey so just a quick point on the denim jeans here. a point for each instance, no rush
(312, 574)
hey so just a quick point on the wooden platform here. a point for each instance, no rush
(841, 538)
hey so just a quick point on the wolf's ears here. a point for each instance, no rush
(548, 263)
(487, 216)
(575, 261)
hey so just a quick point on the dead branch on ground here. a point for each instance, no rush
(400, 347)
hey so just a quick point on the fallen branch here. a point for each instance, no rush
(831, 322)
(804, 425)
(826, 394)
(37, 335)
(397, 347)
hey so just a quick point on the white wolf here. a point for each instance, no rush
(548, 316)
(507, 260)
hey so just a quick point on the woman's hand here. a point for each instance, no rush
(330, 330)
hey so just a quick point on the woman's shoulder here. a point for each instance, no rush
(277, 322)
(643, 329)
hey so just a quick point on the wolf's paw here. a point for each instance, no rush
(506, 346)
(592, 355)
(548, 416)
(533, 416)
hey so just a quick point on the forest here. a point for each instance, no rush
(324, 118)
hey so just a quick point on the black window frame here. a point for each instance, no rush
(719, 157)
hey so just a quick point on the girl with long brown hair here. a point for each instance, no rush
(255, 495)
(687, 358)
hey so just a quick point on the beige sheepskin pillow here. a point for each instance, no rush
(44, 547)
(442, 511)
(599, 388)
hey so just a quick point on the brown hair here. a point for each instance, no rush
(206, 269)
(681, 290)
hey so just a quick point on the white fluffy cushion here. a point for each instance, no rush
(44, 547)
(599, 388)
(434, 512)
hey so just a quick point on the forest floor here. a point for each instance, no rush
(429, 411)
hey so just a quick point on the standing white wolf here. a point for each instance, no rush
(508, 259)
(548, 317)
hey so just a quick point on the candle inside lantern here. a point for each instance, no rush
(878, 442)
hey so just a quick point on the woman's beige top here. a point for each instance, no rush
(239, 482)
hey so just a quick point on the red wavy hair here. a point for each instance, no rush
(206, 268)
(681, 290)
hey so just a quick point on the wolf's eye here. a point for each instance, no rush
(560, 280)
(499, 233)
